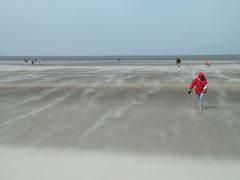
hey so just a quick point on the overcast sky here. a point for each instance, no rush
(119, 27)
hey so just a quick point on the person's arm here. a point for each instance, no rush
(192, 86)
(205, 87)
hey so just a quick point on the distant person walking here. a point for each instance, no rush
(201, 84)
(178, 62)
(208, 63)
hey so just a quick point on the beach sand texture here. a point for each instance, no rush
(118, 120)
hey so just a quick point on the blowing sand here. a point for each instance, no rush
(125, 120)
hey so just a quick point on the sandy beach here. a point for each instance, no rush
(128, 120)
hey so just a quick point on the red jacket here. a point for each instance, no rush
(201, 85)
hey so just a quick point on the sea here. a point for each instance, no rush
(122, 57)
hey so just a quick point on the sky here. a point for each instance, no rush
(119, 27)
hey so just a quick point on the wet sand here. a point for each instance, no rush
(118, 120)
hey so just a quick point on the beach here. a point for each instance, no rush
(118, 120)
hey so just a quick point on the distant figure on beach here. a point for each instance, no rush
(207, 62)
(201, 84)
(178, 62)
(32, 62)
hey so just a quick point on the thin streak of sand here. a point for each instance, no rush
(58, 100)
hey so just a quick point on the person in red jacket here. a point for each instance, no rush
(201, 84)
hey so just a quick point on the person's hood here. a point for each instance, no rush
(201, 74)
